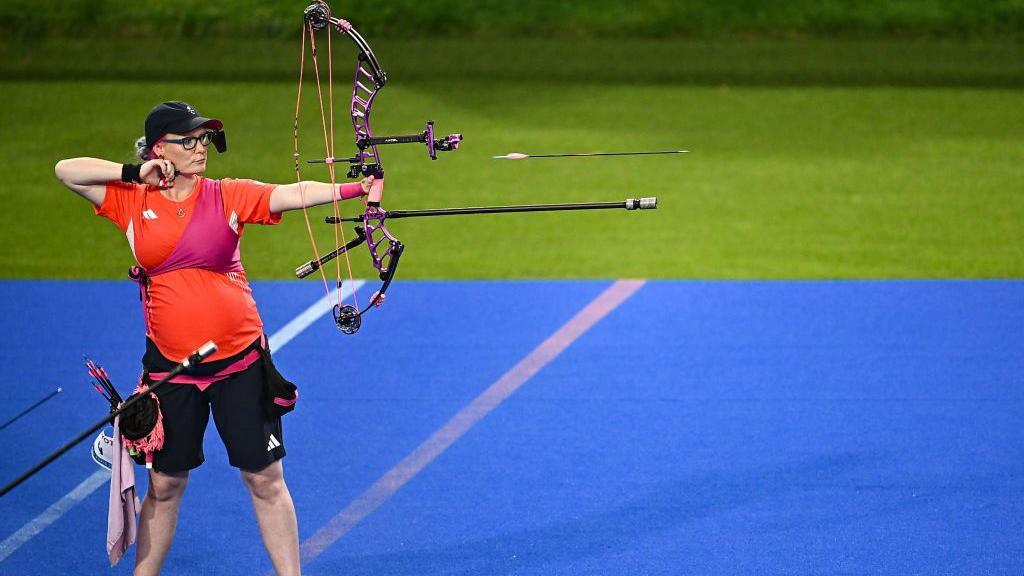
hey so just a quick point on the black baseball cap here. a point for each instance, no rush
(175, 117)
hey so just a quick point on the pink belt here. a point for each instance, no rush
(204, 382)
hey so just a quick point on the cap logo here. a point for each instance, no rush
(190, 109)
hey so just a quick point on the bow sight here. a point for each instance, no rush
(434, 145)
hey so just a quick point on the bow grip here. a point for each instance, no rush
(376, 192)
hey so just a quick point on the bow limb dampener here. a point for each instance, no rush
(369, 78)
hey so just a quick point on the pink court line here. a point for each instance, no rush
(439, 441)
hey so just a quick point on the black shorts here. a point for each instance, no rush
(252, 439)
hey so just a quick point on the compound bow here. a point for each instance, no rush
(371, 228)
(385, 249)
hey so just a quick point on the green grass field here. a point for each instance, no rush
(786, 179)
(993, 62)
(526, 18)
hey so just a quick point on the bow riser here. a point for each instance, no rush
(373, 222)
(362, 103)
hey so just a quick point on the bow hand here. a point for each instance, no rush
(374, 188)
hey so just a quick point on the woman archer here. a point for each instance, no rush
(184, 231)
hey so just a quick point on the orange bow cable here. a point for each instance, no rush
(339, 235)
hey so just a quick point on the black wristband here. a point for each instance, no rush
(130, 173)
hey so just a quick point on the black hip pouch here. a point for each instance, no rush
(279, 395)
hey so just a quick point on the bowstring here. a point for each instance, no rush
(339, 232)
(298, 171)
(331, 171)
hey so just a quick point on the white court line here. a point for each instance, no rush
(312, 314)
(53, 513)
(101, 477)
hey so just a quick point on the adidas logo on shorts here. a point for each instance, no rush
(273, 443)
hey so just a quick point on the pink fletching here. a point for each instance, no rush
(515, 156)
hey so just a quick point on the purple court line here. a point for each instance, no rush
(488, 400)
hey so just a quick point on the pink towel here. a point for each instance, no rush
(124, 503)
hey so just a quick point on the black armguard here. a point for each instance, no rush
(130, 173)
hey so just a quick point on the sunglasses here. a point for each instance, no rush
(189, 142)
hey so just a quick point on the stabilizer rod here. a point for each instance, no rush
(314, 265)
(629, 204)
